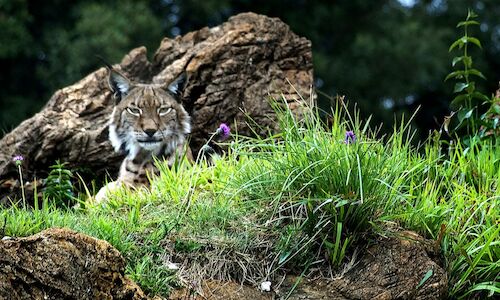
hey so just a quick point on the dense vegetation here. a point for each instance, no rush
(284, 201)
(386, 56)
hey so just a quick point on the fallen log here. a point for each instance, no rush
(232, 71)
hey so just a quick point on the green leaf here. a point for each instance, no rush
(463, 115)
(496, 108)
(478, 95)
(66, 172)
(457, 101)
(456, 60)
(467, 23)
(455, 74)
(456, 43)
(471, 88)
(489, 286)
(425, 278)
(467, 60)
(341, 203)
(284, 256)
(460, 125)
(474, 41)
(471, 14)
(460, 86)
(476, 73)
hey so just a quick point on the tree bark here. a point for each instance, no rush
(233, 69)
(60, 263)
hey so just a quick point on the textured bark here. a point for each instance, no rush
(63, 264)
(232, 70)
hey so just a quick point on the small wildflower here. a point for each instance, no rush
(172, 266)
(223, 131)
(265, 286)
(350, 137)
(18, 160)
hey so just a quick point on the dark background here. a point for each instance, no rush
(388, 56)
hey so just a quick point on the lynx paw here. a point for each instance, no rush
(106, 190)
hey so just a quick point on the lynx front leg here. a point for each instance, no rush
(133, 174)
(105, 191)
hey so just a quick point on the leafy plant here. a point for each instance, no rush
(470, 104)
(59, 188)
(490, 127)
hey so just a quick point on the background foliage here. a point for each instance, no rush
(388, 56)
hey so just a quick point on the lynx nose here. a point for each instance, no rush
(150, 132)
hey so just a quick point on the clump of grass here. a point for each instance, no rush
(326, 184)
(458, 193)
(325, 194)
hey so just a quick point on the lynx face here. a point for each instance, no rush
(147, 119)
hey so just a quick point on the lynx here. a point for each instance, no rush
(147, 121)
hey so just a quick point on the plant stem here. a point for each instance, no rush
(206, 144)
(191, 187)
(22, 186)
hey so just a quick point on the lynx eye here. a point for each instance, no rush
(162, 111)
(135, 111)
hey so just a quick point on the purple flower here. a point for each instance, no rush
(18, 160)
(350, 137)
(223, 131)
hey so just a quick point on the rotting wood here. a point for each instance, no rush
(233, 70)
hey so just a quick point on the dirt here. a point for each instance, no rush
(63, 264)
(393, 268)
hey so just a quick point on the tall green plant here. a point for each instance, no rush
(469, 103)
(59, 188)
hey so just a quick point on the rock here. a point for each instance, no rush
(232, 71)
(390, 269)
(217, 290)
(63, 264)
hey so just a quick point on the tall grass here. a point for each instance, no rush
(329, 188)
(293, 199)
(332, 193)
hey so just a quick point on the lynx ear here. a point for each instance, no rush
(178, 84)
(119, 84)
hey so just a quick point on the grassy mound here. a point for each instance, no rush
(306, 195)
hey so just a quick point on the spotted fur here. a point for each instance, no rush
(147, 121)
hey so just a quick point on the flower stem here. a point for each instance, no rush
(208, 142)
(192, 183)
(22, 185)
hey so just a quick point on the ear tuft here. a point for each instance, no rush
(118, 83)
(178, 84)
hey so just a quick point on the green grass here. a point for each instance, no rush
(289, 201)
